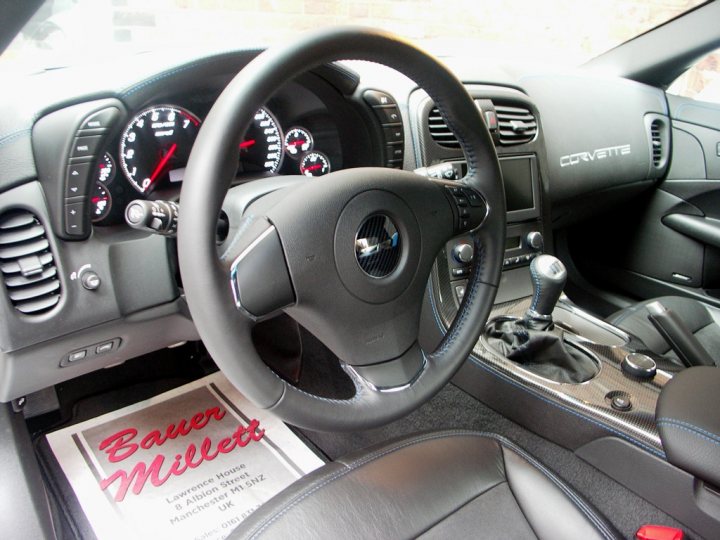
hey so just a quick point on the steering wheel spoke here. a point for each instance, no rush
(259, 278)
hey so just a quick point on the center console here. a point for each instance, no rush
(547, 364)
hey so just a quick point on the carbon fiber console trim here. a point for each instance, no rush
(591, 399)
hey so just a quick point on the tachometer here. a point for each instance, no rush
(262, 147)
(156, 144)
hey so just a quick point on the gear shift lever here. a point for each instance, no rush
(548, 279)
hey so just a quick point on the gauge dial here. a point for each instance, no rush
(262, 147)
(155, 146)
(314, 164)
(100, 202)
(298, 141)
(106, 169)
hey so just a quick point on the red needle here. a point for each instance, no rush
(98, 199)
(313, 167)
(247, 144)
(295, 143)
(163, 162)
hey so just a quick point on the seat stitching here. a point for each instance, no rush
(589, 513)
(465, 504)
(688, 424)
(690, 430)
(349, 467)
(445, 434)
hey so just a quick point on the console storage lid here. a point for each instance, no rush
(688, 418)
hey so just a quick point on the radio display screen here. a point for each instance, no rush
(517, 178)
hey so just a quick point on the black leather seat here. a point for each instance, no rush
(452, 484)
(695, 315)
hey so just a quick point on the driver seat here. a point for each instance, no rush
(450, 484)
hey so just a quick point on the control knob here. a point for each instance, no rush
(463, 253)
(534, 240)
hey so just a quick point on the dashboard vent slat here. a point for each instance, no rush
(656, 140)
(516, 125)
(27, 263)
(440, 132)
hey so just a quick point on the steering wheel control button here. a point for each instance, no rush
(100, 120)
(388, 115)
(639, 365)
(459, 292)
(259, 277)
(378, 246)
(469, 208)
(375, 98)
(75, 214)
(90, 280)
(621, 402)
(77, 179)
(77, 355)
(393, 134)
(86, 147)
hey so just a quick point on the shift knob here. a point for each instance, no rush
(548, 279)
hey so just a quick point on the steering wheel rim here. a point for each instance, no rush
(225, 329)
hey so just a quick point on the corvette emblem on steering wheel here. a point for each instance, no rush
(377, 246)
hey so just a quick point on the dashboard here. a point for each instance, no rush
(99, 292)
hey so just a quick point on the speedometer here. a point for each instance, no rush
(156, 144)
(262, 148)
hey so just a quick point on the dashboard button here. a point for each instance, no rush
(395, 151)
(77, 355)
(85, 146)
(77, 179)
(104, 348)
(388, 115)
(376, 98)
(101, 119)
(75, 218)
(393, 134)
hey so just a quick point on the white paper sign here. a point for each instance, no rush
(189, 464)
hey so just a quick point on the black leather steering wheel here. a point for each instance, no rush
(347, 255)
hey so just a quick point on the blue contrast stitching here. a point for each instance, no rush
(135, 88)
(261, 527)
(689, 430)
(14, 135)
(692, 426)
(536, 279)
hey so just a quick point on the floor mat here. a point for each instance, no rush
(189, 463)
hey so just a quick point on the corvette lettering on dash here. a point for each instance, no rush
(595, 155)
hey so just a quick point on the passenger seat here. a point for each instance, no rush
(694, 314)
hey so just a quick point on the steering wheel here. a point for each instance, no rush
(347, 255)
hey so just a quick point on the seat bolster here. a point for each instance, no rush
(550, 507)
(408, 487)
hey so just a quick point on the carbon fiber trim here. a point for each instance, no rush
(591, 399)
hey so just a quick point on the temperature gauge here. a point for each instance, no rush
(101, 202)
(106, 172)
(298, 141)
(314, 164)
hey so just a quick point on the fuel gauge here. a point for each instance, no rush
(101, 202)
(106, 169)
(314, 164)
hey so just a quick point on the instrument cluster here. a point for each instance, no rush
(152, 150)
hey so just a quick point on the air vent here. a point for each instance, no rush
(27, 264)
(656, 141)
(439, 131)
(516, 125)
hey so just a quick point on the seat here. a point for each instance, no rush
(451, 484)
(695, 315)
